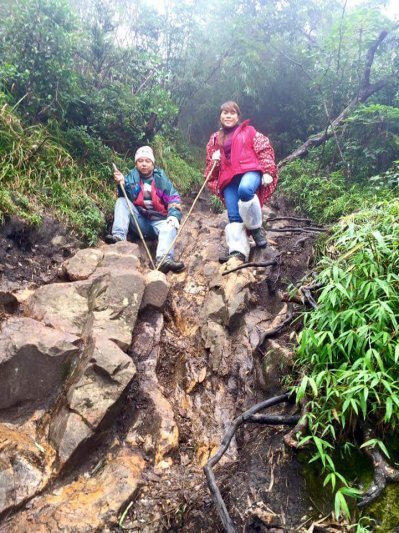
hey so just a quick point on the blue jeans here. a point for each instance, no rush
(151, 229)
(242, 187)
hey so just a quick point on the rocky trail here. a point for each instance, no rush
(117, 384)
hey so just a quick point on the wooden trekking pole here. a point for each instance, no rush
(122, 186)
(188, 214)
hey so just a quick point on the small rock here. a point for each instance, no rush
(58, 240)
(82, 264)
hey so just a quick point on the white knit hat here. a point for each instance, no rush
(145, 151)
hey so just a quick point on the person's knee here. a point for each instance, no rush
(245, 193)
(120, 202)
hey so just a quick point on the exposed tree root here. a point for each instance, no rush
(295, 219)
(247, 265)
(273, 331)
(247, 416)
(307, 295)
(303, 295)
(274, 420)
(383, 473)
(314, 286)
(290, 439)
(295, 229)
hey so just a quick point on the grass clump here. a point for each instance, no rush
(38, 174)
(348, 354)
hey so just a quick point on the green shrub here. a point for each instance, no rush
(216, 204)
(326, 198)
(348, 350)
(38, 174)
(185, 177)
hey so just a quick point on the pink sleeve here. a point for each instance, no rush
(265, 153)
(211, 147)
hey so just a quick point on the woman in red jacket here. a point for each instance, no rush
(244, 178)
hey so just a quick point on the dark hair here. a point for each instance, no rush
(227, 106)
(230, 106)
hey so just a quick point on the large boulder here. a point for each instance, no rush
(106, 372)
(34, 361)
(63, 306)
(106, 375)
(106, 304)
(115, 308)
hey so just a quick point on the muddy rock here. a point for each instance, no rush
(236, 292)
(82, 264)
(257, 321)
(34, 361)
(22, 470)
(146, 352)
(106, 373)
(87, 504)
(276, 361)
(215, 308)
(214, 337)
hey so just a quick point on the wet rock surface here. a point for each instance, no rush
(33, 361)
(154, 388)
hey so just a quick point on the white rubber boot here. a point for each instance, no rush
(237, 239)
(251, 213)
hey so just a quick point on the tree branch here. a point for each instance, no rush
(366, 89)
(289, 229)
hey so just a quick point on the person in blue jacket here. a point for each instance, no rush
(155, 203)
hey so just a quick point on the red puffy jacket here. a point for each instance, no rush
(250, 150)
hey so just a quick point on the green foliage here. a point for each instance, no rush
(38, 174)
(348, 351)
(39, 42)
(216, 204)
(326, 197)
(7, 206)
(388, 179)
(369, 143)
(185, 177)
